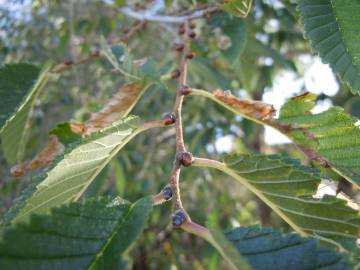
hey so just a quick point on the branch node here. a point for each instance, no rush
(185, 159)
(179, 217)
(185, 90)
(167, 192)
(169, 119)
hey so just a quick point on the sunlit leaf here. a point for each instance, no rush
(332, 26)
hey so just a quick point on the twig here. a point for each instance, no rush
(136, 28)
(96, 53)
(69, 64)
(180, 146)
(165, 18)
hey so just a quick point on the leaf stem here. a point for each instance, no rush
(69, 64)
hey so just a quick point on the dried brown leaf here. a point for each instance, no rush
(251, 108)
(44, 157)
(264, 113)
(116, 108)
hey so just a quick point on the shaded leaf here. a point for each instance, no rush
(256, 47)
(20, 85)
(265, 247)
(227, 251)
(235, 29)
(82, 235)
(66, 132)
(203, 68)
(288, 188)
(121, 59)
(332, 27)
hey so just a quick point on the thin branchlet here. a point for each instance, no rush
(180, 146)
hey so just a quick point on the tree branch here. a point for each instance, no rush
(165, 18)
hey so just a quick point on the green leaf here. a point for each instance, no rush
(82, 235)
(206, 71)
(239, 8)
(332, 26)
(74, 171)
(227, 251)
(264, 247)
(121, 59)
(64, 133)
(256, 47)
(20, 85)
(235, 29)
(330, 137)
(288, 188)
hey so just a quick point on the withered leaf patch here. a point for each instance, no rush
(53, 148)
(117, 107)
(251, 108)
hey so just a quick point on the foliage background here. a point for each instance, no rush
(37, 30)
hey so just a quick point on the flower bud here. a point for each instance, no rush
(167, 192)
(68, 62)
(179, 47)
(192, 25)
(192, 34)
(169, 119)
(190, 55)
(175, 73)
(185, 90)
(178, 218)
(186, 159)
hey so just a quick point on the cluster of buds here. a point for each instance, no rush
(179, 47)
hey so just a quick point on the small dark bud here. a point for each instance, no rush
(207, 15)
(68, 62)
(95, 53)
(169, 119)
(181, 31)
(185, 90)
(182, 25)
(192, 25)
(192, 34)
(190, 55)
(126, 31)
(167, 192)
(179, 47)
(186, 159)
(178, 218)
(175, 73)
